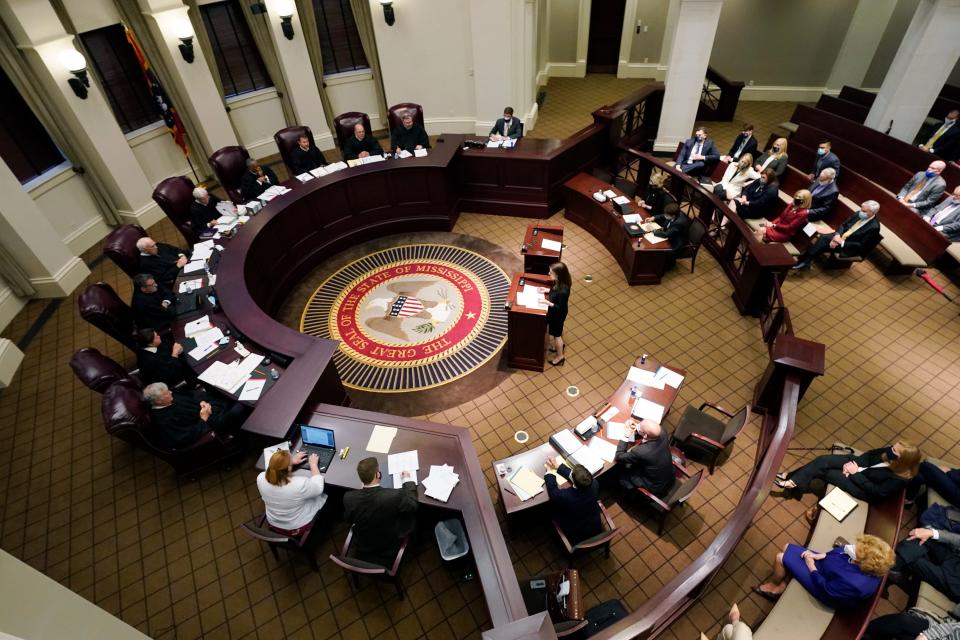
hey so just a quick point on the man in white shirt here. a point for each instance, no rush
(507, 127)
(924, 189)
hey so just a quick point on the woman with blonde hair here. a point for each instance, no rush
(841, 578)
(776, 158)
(292, 500)
(657, 195)
(791, 219)
(736, 176)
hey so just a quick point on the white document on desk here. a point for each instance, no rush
(336, 166)
(381, 439)
(304, 177)
(404, 461)
(420, 153)
(589, 458)
(190, 285)
(604, 449)
(616, 431)
(199, 325)
(494, 144)
(646, 410)
(653, 239)
(195, 266)
(272, 449)
(398, 481)
(532, 300)
(202, 351)
(607, 415)
(252, 389)
(669, 377)
(551, 245)
(248, 364)
(208, 337)
(610, 193)
(441, 481)
(632, 218)
(637, 375)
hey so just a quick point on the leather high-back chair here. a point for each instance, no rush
(396, 112)
(96, 371)
(175, 195)
(102, 307)
(345, 122)
(127, 416)
(286, 140)
(121, 247)
(228, 164)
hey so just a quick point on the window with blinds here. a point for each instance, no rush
(339, 39)
(25, 145)
(240, 65)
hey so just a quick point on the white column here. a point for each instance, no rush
(673, 11)
(689, 56)
(926, 56)
(298, 71)
(167, 19)
(860, 44)
(39, 33)
(10, 359)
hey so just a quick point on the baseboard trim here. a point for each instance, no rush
(10, 359)
(10, 306)
(86, 235)
(260, 148)
(146, 216)
(70, 276)
(567, 69)
(531, 119)
(780, 93)
(637, 69)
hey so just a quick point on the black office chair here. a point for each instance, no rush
(602, 174)
(601, 540)
(694, 239)
(628, 188)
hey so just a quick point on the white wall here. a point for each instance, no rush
(355, 91)
(158, 154)
(257, 116)
(66, 202)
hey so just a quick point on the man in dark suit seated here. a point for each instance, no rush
(361, 145)
(825, 158)
(944, 139)
(181, 417)
(759, 198)
(930, 555)
(203, 210)
(154, 307)
(699, 154)
(574, 509)
(256, 180)
(159, 360)
(381, 518)
(674, 227)
(506, 127)
(409, 136)
(305, 157)
(649, 464)
(824, 193)
(162, 261)
(945, 217)
(856, 235)
(922, 191)
(745, 143)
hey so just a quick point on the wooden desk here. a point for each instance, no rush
(536, 259)
(535, 458)
(642, 261)
(526, 326)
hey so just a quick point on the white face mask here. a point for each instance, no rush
(850, 550)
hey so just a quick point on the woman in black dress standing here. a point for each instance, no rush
(557, 296)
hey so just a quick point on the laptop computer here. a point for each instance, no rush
(319, 441)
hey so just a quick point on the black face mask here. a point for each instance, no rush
(798, 202)
(776, 149)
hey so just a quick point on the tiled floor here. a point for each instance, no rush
(164, 555)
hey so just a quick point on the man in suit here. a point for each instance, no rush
(409, 136)
(922, 192)
(381, 518)
(824, 194)
(932, 556)
(945, 217)
(825, 158)
(698, 155)
(162, 261)
(745, 143)
(649, 464)
(160, 361)
(154, 307)
(860, 231)
(181, 417)
(759, 198)
(674, 227)
(944, 140)
(203, 210)
(574, 509)
(305, 156)
(361, 145)
(507, 126)
(256, 180)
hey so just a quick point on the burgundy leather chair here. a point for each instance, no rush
(345, 122)
(127, 416)
(121, 247)
(102, 307)
(96, 371)
(175, 195)
(286, 140)
(228, 164)
(396, 112)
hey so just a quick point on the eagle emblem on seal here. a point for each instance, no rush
(410, 309)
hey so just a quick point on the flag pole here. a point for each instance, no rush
(196, 178)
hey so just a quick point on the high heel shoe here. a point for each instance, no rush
(785, 484)
(560, 363)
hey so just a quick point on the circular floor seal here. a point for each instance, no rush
(588, 278)
(573, 391)
(521, 436)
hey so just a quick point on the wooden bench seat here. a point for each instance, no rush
(954, 250)
(754, 223)
(899, 250)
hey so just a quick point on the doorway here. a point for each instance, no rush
(606, 29)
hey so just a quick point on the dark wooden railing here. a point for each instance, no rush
(719, 97)
(775, 317)
(634, 120)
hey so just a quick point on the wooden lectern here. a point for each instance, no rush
(526, 326)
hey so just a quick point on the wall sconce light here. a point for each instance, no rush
(388, 14)
(184, 33)
(75, 63)
(285, 11)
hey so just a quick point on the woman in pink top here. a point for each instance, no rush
(785, 226)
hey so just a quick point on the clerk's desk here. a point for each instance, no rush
(535, 458)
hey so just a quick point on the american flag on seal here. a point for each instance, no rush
(405, 307)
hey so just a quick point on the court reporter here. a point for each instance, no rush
(292, 500)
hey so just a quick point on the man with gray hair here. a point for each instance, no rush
(181, 417)
(824, 194)
(256, 179)
(162, 261)
(922, 192)
(855, 237)
(203, 210)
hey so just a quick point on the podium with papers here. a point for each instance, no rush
(542, 246)
(526, 322)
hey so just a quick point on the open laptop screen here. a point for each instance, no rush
(317, 437)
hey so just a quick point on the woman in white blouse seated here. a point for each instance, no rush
(292, 500)
(735, 178)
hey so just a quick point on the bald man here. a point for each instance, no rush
(648, 464)
(923, 190)
(361, 145)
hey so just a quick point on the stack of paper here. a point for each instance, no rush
(650, 226)
(525, 483)
(610, 193)
(199, 325)
(571, 447)
(643, 409)
(206, 343)
(304, 177)
(420, 153)
(616, 431)
(272, 192)
(224, 227)
(397, 463)
(190, 285)
(652, 239)
(202, 250)
(336, 166)
(404, 154)
(252, 389)
(440, 482)
(226, 208)
(231, 377)
(606, 450)
(372, 159)
(494, 144)
(272, 449)
(508, 143)
(195, 265)
(633, 218)
(668, 377)
(319, 171)
(381, 439)
(531, 297)
(645, 377)
(550, 245)
(607, 415)
(587, 424)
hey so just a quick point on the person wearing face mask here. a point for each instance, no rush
(657, 196)
(759, 198)
(944, 140)
(825, 158)
(745, 144)
(675, 227)
(858, 234)
(945, 217)
(698, 155)
(776, 158)
(736, 176)
(824, 193)
(791, 219)
(507, 127)
(924, 189)
(841, 578)
(915, 624)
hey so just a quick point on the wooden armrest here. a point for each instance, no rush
(563, 538)
(663, 505)
(716, 407)
(344, 563)
(706, 440)
(606, 516)
(598, 541)
(396, 561)
(679, 468)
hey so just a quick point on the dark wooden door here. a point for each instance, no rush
(606, 28)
